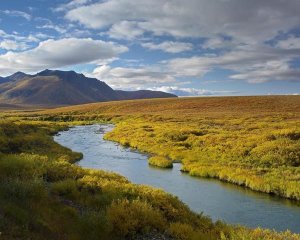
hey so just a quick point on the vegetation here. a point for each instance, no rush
(44, 196)
(248, 141)
(160, 161)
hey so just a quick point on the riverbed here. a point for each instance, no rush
(214, 198)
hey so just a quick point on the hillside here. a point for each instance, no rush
(57, 88)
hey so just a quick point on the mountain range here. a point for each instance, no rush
(58, 88)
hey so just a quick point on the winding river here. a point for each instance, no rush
(219, 200)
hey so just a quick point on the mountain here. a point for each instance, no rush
(141, 94)
(56, 88)
(17, 76)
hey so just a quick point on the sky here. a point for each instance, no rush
(189, 48)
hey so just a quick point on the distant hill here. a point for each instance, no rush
(56, 88)
(142, 94)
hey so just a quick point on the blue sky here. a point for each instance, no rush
(192, 47)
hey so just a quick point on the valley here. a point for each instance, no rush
(249, 141)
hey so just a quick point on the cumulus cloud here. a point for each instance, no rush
(248, 21)
(169, 46)
(13, 45)
(60, 53)
(128, 30)
(151, 78)
(131, 78)
(257, 65)
(226, 34)
(237, 32)
(15, 13)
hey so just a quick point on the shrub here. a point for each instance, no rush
(131, 217)
(181, 231)
(160, 161)
(66, 188)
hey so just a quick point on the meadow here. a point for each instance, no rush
(249, 141)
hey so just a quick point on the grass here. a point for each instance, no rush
(160, 161)
(250, 141)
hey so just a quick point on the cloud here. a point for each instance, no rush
(220, 43)
(150, 78)
(25, 39)
(235, 31)
(60, 53)
(71, 5)
(54, 27)
(15, 13)
(290, 43)
(271, 70)
(128, 30)
(13, 45)
(252, 64)
(131, 78)
(187, 92)
(247, 21)
(169, 46)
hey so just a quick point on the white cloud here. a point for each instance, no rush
(70, 5)
(248, 21)
(169, 46)
(60, 53)
(236, 30)
(191, 91)
(271, 70)
(131, 78)
(151, 78)
(39, 35)
(128, 30)
(259, 64)
(15, 13)
(57, 28)
(13, 45)
(25, 39)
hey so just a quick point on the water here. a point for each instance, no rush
(224, 201)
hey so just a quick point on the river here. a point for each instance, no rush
(219, 200)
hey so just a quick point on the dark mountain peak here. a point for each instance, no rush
(18, 73)
(17, 76)
(64, 75)
(45, 72)
(48, 72)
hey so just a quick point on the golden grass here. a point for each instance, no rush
(250, 141)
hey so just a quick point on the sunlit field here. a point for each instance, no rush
(250, 141)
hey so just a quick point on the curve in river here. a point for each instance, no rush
(219, 200)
